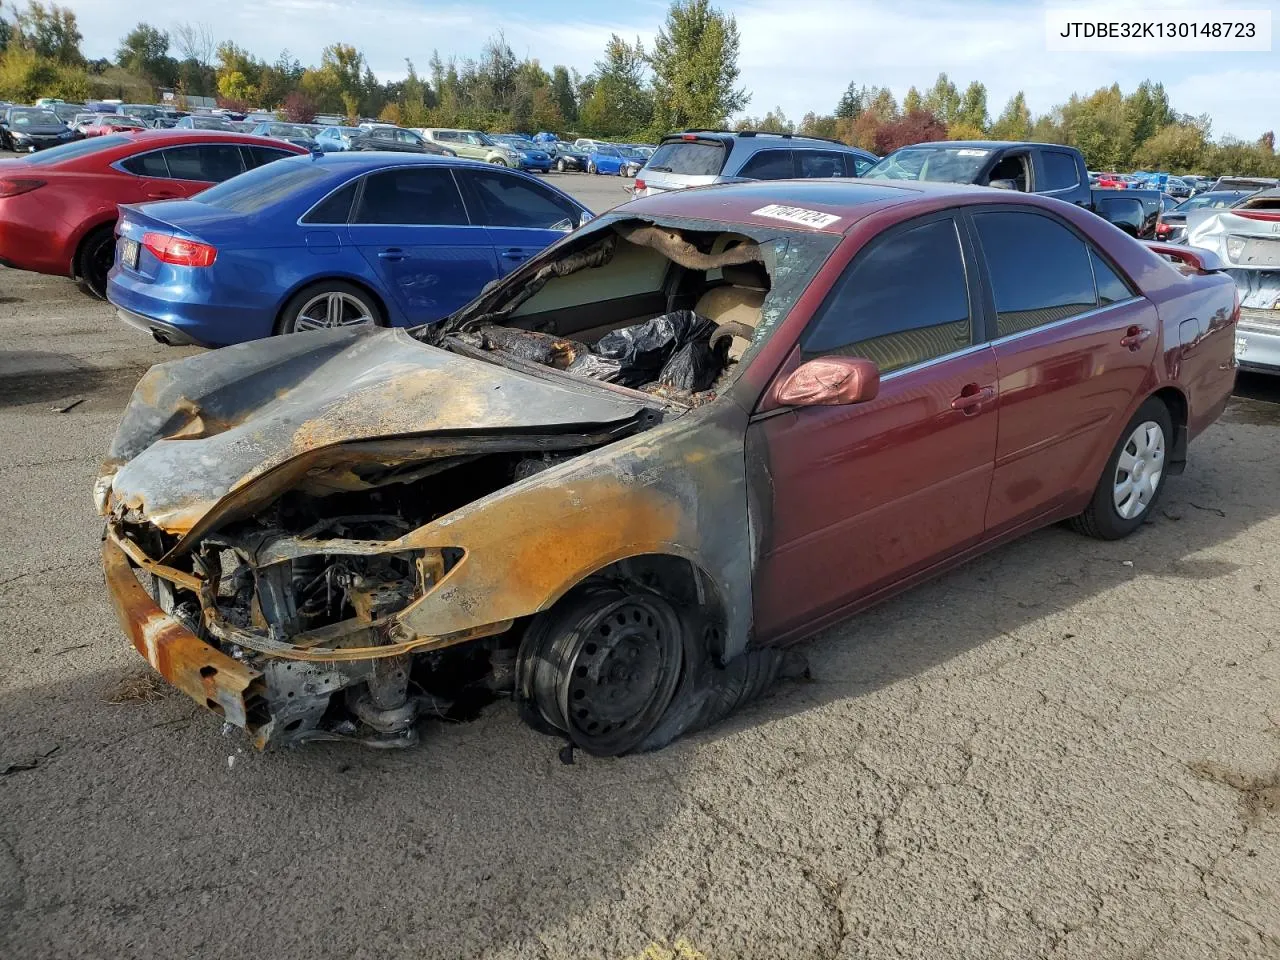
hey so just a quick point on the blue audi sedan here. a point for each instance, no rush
(329, 240)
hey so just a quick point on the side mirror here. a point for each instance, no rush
(830, 381)
(1002, 184)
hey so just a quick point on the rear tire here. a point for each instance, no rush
(328, 304)
(1134, 477)
(560, 166)
(94, 260)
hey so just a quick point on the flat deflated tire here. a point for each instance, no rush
(1134, 477)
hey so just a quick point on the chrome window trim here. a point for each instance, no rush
(934, 361)
(1009, 337)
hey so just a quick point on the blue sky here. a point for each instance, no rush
(796, 54)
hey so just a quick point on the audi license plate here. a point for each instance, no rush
(129, 253)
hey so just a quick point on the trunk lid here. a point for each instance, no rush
(199, 429)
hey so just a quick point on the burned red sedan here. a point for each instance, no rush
(618, 483)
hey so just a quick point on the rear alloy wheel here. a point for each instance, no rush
(498, 161)
(1133, 478)
(327, 305)
(603, 665)
(94, 260)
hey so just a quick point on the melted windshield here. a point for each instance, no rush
(940, 164)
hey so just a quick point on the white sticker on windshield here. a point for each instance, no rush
(972, 153)
(806, 218)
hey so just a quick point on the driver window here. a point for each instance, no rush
(1012, 167)
(879, 309)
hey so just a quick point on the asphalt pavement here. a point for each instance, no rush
(1067, 748)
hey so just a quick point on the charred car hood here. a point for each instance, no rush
(198, 430)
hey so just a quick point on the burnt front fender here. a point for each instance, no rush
(678, 490)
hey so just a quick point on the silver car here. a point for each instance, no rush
(696, 158)
(1246, 239)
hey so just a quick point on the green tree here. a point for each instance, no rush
(563, 95)
(913, 102)
(6, 34)
(50, 32)
(852, 102)
(695, 68)
(1148, 109)
(942, 100)
(145, 51)
(1014, 122)
(973, 107)
(960, 130)
(1101, 126)
(236, 86)
(814, 125)
(775, 121)
(621, 105)
(1177, 148)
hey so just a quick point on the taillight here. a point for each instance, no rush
(14, 187)
(1163, 229)
(179, 252)
(640, 184)
(1264, 215)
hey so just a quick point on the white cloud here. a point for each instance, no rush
(797, 55)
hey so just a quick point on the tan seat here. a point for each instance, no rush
(738, 301)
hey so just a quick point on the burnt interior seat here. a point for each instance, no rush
(737, 300)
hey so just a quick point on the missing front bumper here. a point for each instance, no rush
(205, 674)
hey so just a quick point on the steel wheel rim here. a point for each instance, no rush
(333, 309)
(1138, 470)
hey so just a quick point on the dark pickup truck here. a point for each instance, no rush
(1049, 169)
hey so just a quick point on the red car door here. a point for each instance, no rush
(1073, 343)
(864, 495)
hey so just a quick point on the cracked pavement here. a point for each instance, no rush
(1065, 749)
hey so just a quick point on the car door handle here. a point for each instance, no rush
(515, 253)
(163, 194)
(972, 397)
(1135, 337)
(391, 253)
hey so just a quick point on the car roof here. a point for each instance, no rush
(985, 145)
(847, 198)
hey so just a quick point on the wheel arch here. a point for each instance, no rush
(1179, 412)
(677, 575)
(358, 282)
(82, 235)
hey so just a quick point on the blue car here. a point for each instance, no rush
(336, 139)
(615, 161)
(530, 155)
(329, 240)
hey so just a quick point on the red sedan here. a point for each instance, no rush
(112, 123)
(704, 424)
(58, 207)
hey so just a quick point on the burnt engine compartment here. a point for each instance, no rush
(281, 576)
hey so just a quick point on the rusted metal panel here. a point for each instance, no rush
(205, 674)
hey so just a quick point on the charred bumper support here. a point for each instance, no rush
(280, 691)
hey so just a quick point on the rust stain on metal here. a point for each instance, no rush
(205, 674)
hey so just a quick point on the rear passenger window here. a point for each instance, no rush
(512, 201)
(210, 162)
(769, 165)
(881, 309)
(1059, 170)
(860, 165)
(1039, 270)
(335, 208)
(147, 165)
(426, 196)
(819, 163)
(1111, 288)
(257, 156)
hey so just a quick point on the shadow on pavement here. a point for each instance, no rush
(168, 840)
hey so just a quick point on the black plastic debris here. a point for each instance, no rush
(696, 364)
